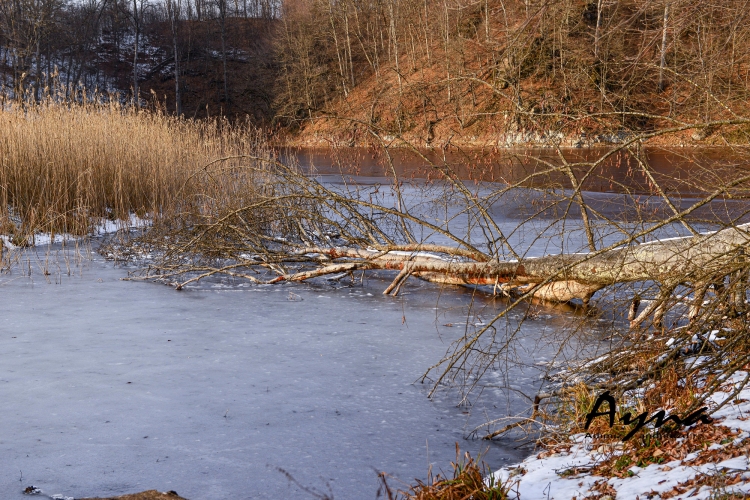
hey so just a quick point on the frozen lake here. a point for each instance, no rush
(112, 387)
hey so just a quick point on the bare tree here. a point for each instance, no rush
(663, 51)
(174, 7)
(222, 6)
(137, 17)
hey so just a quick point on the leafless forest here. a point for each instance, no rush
(425, 69)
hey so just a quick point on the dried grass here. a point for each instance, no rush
(63, 165)
(469, 481)
(144, 495)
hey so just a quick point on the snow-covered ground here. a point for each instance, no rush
(702, 474)
(103, 227)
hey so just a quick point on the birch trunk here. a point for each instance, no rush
(663, 58)
(558, 278)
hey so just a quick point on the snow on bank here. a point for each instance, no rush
(103, 227)
(566, 475)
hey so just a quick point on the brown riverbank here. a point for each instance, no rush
(144, 495)
(683, 171)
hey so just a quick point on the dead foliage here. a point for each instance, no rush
(664, 447)
(717, 483)
(144, 495)
(66, 167)
(468, 480)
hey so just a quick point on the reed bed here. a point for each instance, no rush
(64, 166)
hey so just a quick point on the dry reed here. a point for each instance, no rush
(470, 481)
(63, 165)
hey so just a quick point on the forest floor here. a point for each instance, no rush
(704, 461)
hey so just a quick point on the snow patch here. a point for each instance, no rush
(546, 477)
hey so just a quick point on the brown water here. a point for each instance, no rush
(679, 172)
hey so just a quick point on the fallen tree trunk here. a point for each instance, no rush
(557, 278)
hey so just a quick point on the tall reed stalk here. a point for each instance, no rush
(64, 165)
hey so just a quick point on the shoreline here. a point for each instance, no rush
(680, 467)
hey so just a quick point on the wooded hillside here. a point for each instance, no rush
(514, 71)
(494, 72)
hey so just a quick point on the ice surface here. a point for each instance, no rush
(110, 387)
